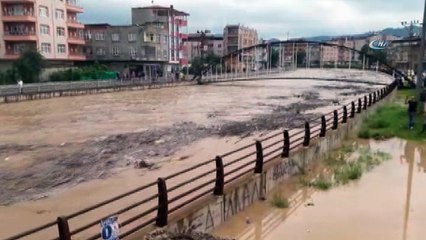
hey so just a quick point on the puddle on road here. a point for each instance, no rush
(386, 203)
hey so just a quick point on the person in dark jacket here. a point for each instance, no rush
(412, 109)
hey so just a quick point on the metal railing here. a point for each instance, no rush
(154, 202)
(61, 87)
(54, 87)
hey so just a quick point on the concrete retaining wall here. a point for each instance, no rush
(208, 213)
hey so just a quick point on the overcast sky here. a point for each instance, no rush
(272, 18)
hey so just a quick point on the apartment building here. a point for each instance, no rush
(51, 26)
(213, 43)
(133, 48)
(167, 26)
(236, 37)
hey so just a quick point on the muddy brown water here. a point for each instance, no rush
(79, 119)
(386, 203)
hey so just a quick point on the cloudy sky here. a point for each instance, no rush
(272, 18)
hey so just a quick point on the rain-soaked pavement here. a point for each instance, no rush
(386, 203)
(60, 155)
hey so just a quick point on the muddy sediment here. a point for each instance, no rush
(73, 163)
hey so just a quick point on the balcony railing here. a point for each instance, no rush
(73, 6)
(19, 33)
(14, 13)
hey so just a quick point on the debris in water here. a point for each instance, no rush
(139, 164)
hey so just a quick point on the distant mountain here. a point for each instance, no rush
(401, 32)
(398, 32)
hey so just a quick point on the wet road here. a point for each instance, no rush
(387, 203)
(77, 119)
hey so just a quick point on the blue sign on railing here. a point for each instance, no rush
(379, 44)
(110, 228)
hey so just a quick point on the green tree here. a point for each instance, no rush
(196, 66)
(29, 66)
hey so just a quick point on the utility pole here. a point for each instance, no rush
(203, 38)
(420, 84)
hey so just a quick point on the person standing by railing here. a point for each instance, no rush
(20, 85)
(412, 110)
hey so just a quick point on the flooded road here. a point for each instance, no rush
(60, 155)
(386, 203)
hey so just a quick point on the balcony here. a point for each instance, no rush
(11, 14)
(181, 22)
(18, 1)
(20, 36)
(76, 41)
(183, 36)
(77, 57)
(74, 24)
(11, 55)
(72, 6)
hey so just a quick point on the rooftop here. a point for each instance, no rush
(158, 7)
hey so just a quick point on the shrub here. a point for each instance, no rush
(279, 201)
(322, 184)
(364, 134)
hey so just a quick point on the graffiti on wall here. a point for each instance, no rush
(284, 169)
(244, 196)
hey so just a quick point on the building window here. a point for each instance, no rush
(132, 52)
(115, 51)
(219, 45)
(59, 14)
(60, 31)
(100, 51)
(46, 48)
(115, 37)
(44, 29)
(100, 36)
(88, 35)
(62, 48)
(43, 11)
(132, 37)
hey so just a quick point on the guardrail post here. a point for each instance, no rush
(352, 110)
(307, 138)
(220, 177)
(259, 158)
(365, 102)
(323, 126)
(335, 119)
(163, 205)
(382, 93)
(359, 105)
(286, 147)
(63, 228)
(345, 114)
(370, 100)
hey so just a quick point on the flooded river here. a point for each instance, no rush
(386, 203)
(60, 155)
